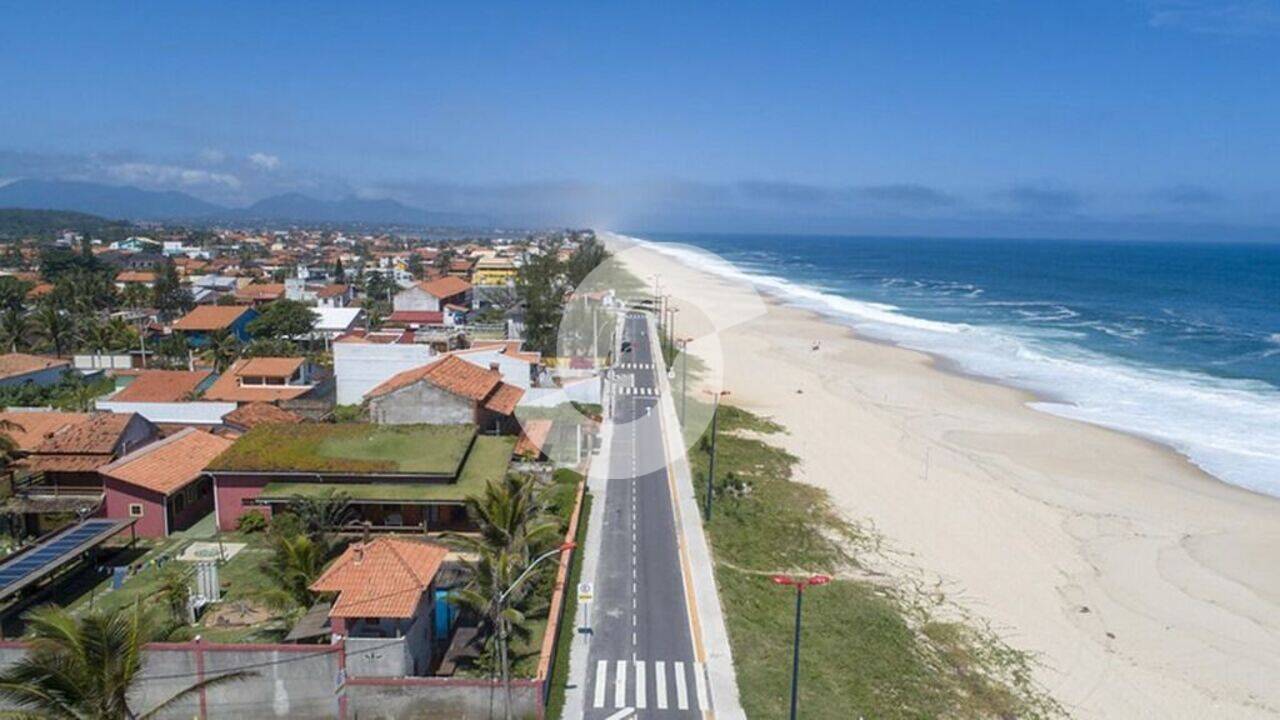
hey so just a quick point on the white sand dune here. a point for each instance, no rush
(1146, 588)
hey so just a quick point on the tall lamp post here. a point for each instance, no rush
(502, 623)
(684, 379)
(799, 583)
(711, 467)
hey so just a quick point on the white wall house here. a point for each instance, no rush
(360, 364)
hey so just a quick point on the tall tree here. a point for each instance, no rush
(541, 288)
(170, 296)
(339, 273)
(284, 319)
(14, 328)
(295, 563)
(54, 325)
(83, 668)
(223, 349)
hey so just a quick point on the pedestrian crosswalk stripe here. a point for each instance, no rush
(682, 690)
(656, 670)
(700, 684)
(632, 390)
(641, 688)
(620, 685)
(602, 670)
(660, 678)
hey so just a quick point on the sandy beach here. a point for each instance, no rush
(1145, 588)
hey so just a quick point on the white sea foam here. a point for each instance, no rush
(1230, 428)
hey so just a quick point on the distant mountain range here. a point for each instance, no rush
(131, 203)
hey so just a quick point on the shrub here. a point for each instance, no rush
(251, 522)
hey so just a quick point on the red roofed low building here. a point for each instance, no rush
(264, 379)
(18, 369)
(163, 485)
(204, 321)
(247, 417)
(433, 295)
(160, 386)
(259, 293)
(385, 590)
(448, 391)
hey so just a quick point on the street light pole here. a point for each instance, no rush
(711, 467)
(684, 380)
(502, 622)
(799, 584)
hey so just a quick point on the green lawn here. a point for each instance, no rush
(867, 650)
(354, 448)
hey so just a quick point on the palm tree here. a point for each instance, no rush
(54, 326)
(509, 517)
(318, 515)
(14, 327)
(8, 446)
(223, 349)
(83, 668)
(135, 296)
(295, 563)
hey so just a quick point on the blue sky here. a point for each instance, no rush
(1083, 118)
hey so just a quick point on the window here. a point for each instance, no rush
(135, 509)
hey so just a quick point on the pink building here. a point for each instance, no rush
(163, 484)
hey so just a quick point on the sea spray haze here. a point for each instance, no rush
(1178, 342)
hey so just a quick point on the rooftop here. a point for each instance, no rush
(170, 464)
(12, 364)
(449, 373)
(162, 386)
(36, 426)
(444, 287)
(205, 318)
(97, 434)
(349, 448)
(251, 415)
(385, 577)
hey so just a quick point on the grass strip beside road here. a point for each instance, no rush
(868, 649)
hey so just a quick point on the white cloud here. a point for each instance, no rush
(153, 174)
(265, 161)
(1217, 17)
(213, 156)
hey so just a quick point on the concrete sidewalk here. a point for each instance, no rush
(714, 645)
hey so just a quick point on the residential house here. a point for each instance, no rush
(145, 278)
(494, 271)
(385, 589)
(266, 379)
(17, 369)
(163, 485)
(159, 386)
(259, 294)
(448, 391)
(205, 321)
(334, 322)
(433, 296)
(401, 477)
(250, 415)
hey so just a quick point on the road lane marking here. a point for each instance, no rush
(700, 685)
(682, 690)
(621, 714)
(660, 681)
(620, 685)
(602, 672)
(641, 689)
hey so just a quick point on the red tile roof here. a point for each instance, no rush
(504, 399)
(533, 437)
(170, 464)
(134, 276)
(162, 386)
(383, 578)
(210, 317)
(416, 317)
(100, 433)
(329, 291)
(450, 373)
(12, 364)
(259, 413)
(445, 287)
(35, 427)
(276, 367)
(260, 291)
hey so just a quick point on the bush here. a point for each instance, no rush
(251, 522)
(286, 524)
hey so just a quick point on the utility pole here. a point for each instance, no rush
(799, 584)
(684, 380)
(711, 467)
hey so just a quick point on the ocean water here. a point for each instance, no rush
(1176, 342)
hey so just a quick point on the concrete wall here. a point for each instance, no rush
(415, 299)
(360, 367)
(421, 402)
(177, 413)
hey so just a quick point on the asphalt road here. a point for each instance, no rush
(641, 658)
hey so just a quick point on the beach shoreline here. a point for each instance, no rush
(1144, 586)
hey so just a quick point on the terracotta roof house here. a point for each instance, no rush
(385, 590)
(200, 324)
(160, 386)
(433, 295)
(248, 416)
(36, 426)
(23, 369)
(259, 293)
(449, 390)
(397, 477)
(163, 485)
(135, 277)
(264, 379)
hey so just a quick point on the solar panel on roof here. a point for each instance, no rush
(54, 552)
